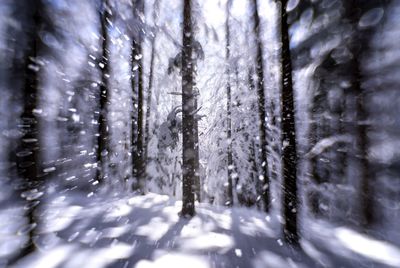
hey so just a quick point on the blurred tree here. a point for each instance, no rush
(138, 166)
(28, 64)
(228, 107)
(261, 107)
(102, 138)
(150, 85)
(289, 152)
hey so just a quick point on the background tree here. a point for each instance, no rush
(228, 108)
(261, 108)
(102, 138)
(150, 84)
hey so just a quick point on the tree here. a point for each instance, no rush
(150, 85)
(27, 67)
(357, 45)
(289, 153)
(261, 108)
(137, 78)
(189, 126)
(102, 138)
(228, 107)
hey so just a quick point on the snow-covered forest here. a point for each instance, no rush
(199, 133)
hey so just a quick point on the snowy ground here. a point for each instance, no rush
(146, 231)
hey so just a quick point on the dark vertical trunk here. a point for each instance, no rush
(317, 107)
(190, 148)
(228, 108)
(148, 102)
(28, 155)
(361, 128)
(289, 153)
(137, 73)
(197, 179)
(102, 139)
(261, 109)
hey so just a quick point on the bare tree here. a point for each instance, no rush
(137, 92)
(150, 85)
(189, 126)
(261, 108)
(102, 138)
(289, 153)
(228, 107)
(28, 63)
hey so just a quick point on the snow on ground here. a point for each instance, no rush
(146, 231)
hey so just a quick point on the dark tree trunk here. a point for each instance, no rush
(261, 109)
(197, 179)
(289, 153)
(148, 101)
(353, 14)
(189, 125)
(318, 106)
(137, 73)
(228, 108)
(28, 154)
(102, 139)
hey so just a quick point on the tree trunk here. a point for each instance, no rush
(361, 128)
(137, 72)
(316, 132)
(28, 154)
(261, 109)
(148, 102)
(228, 108)
(289, 153)
(102, 139)
(189, 126)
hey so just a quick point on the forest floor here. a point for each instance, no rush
(146, 231)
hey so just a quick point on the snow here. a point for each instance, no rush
(146, 231)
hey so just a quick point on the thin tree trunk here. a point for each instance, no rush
(228, 108)
(197, 179)
(102, 139)
(261, 109)
(137, 68)
(317, 106)
(148, 101)
(289, 153)
(190, 148)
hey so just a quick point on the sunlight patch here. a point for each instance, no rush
(58, 219)
(255, 227)
(208, 241)
(154, 230)
(52, 258)
(272, 260)
(100, 257)
(174, 260)
(370, 248)
(114, 232)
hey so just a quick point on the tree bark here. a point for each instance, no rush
(137, 70)
(102, 139)
(289, 153)
(261, 109)
(28, 154)
(228, 108)
(189, 126)
(354, 13)
(148, 102)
